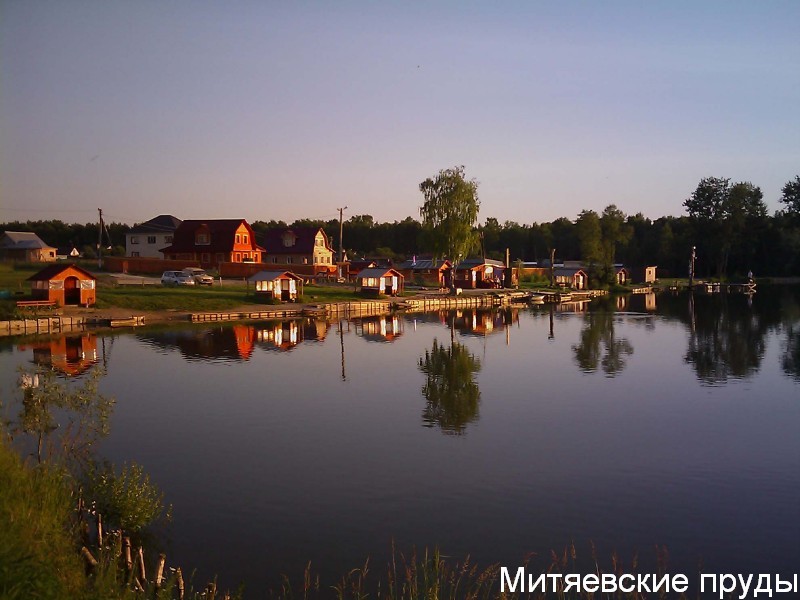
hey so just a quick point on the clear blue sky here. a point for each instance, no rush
(282, 110)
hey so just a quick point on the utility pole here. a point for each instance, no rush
(341, 242)
(691, 267)
(100, 240)
(552, 267)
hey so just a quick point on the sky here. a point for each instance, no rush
(284, 110)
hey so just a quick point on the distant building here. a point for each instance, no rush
(24, 246)
(299, 246)
(213, 242)
(426, 271)
(147, 239)
(67, 253)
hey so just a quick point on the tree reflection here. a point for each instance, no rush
(450, 388)
(65, 420)
(727, 338)
(791, 354)
(599, 347)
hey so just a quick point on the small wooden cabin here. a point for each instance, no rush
(278, 285)
(571, 277)
(479, 273)
(646, 274)
(380, 281)
(64, 284)
(621, 275)
(427, 272)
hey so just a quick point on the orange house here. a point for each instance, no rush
(213, 242)
(64, 284)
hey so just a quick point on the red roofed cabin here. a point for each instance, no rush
(64, 284)
(213, 242)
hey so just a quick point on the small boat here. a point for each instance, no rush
(537, 299)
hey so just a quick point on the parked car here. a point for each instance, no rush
(199, 275)
(176, 278)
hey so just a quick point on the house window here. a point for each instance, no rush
(255, 257)
(134, 239)
(167, 239)
(238, 257)
(202, 239)
(134, 254)
(238, 239)
(151, 239)
(244, 239)
(305, 260)
(289, 259)
(275, 259)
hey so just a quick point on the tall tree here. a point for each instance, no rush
(590, 237)
(707, 208)
(450, 212)
(791, 196)
(616, 232)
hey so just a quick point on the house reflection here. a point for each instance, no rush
(235, 342)
(383, 328)
(70, 355)
(280, 335)
(483, 323)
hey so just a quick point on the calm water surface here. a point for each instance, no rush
(665, 420)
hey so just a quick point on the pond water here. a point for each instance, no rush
(630, 423)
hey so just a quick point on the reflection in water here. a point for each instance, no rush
(69, 355)
(790, 361)
(482, 323)
(280, 335)
(726, 338)
(450, 388)
(234, 342)
(383, 328)
(599, 347)
(237, 342)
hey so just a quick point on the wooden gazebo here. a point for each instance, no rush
(64, 284)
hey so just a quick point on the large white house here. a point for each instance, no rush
(148, 238)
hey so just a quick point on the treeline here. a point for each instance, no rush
(726, 222)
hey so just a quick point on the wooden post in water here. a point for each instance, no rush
(179, 582)
(126, 545)
(142, 574)
(162, 558)
(91, 562)
(99, 530)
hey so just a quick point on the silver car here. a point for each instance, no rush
(176, 278)
(200, 277)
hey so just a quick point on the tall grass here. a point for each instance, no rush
(37, 554)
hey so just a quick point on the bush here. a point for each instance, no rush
(127, 500)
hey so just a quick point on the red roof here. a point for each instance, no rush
(222, 236)
(51, 271)
(304, 240)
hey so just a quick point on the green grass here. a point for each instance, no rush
(173, 298)
(38, 557)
